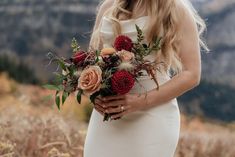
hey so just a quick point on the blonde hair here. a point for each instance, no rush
(164, 15)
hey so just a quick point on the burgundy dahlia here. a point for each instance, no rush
(123, 42)
(122, 82)
(79, 57)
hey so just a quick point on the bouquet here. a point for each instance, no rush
(110, 71)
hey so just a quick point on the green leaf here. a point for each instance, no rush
(61, 64)
(59, 78)
(140, 36)
(64, 96)
(51, 87)
(157, 43)
(74, 45)
(145, 46)
(61, 87)
(97, 53)
(57, 99)
(93, 96)
(72, 69)
(79, 96)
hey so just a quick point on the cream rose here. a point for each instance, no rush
(90, 79)
(125, 56)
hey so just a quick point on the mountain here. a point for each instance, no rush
(30, 29)
(220, 37)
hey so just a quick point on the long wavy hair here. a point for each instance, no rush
(164, 15)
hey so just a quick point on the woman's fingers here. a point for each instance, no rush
(99, 109)
(99, 102)
(119, 115)
(99, 106)
(112, 110)
(113, 98)
(118, 109)
(113, 103)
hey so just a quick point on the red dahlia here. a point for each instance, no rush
(123, 42)
(122, 82)
(79, 57)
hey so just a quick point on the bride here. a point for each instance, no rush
(146, 122)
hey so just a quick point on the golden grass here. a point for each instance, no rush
(205, 139)
(39, 133)
(31, 127)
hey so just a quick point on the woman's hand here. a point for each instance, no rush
(99, 106)
(120, 105)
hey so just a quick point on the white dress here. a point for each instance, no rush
(146, 133)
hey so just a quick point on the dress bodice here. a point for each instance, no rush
(128, 29)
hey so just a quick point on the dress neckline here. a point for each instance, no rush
(129, 20)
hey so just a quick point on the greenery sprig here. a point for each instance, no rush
(141, 48)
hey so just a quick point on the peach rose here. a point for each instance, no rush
(90, 79)
(125, 56)
(107, 51)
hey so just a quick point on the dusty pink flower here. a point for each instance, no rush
(90, 79)
(125, 56)
(107, 51)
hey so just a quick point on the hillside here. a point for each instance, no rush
(220, 36)
(31, 28)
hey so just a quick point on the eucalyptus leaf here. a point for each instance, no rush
(64, 96)
(79, 96)
(93, 96)
(57, 99)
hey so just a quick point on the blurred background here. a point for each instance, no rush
(31, 125)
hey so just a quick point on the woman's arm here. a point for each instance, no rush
(190, 56)
(189, 78)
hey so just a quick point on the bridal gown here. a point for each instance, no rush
(151, 132)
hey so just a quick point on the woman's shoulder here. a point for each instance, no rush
(186, 15)
(101, 9)
(104, 6)
(184, 10)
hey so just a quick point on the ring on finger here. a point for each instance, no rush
(122, 108)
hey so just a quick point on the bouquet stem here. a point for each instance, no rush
(106, 117)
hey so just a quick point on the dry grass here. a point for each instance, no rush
(39, 134)
(204, 144)
(31, 127)
(204, 139)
